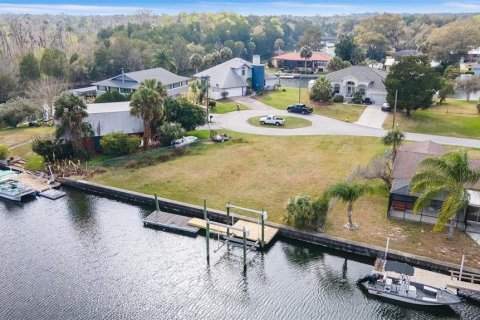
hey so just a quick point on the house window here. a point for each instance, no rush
(362, 89)
(350, 88)
(473, 214)
(243, 71)
(336, 89)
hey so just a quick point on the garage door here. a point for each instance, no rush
(378, 98)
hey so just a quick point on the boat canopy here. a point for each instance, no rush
(399, 267)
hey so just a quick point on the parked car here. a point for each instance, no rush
(278, 121)
(386, 107)
(299, 108)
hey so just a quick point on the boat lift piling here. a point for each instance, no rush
(207, 230)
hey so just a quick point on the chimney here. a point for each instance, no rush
(123, 76)
(256, 59)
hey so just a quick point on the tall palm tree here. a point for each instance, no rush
(348, 192)
(196, 61)
(445, 176)
(70, 110)
(393, 138)
(164, 60)
(306, 53)
(147, 103)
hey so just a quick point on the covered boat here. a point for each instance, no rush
(381, 282)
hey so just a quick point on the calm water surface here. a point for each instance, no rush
(88, 257)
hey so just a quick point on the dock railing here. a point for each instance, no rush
(465, 276)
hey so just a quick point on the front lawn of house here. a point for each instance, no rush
(265, 172)
(225, 106)
(340, 111)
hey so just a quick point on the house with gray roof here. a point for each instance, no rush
(127, 83)
(229, 79)
(367, 80)
(402, 200)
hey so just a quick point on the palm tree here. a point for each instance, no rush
(195, 61)
(70, 110)
(305, 53)
(393, 138)
(164, 60)
(444, 176)
(348, 192)
(147, 103)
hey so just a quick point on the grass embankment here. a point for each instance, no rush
(225, 106)
(264, 172)
(340, 111)
(290, 123)
(455, 118)
(19, 139)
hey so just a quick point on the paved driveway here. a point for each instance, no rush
(238, 121)
(372, 117)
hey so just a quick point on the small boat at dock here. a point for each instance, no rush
(14, 190)
(391, 280)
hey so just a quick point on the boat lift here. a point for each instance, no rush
(262, 216)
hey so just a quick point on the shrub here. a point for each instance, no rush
(184, 112)
(170, 131)
(224, 94)
(112, 96)
(17, 110)
(130, 164)
(52, 150)
(119, 144)
(3, 152)
(478, 108)
(338, 98)
(303, 213)
(212, 104)
(321, 90)
(35, 163)
(357, 97)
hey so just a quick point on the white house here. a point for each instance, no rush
(229, 79)
(127, 83)
(367, 80)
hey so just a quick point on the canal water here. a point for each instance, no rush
(89, 257)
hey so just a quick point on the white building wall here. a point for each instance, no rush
(216, 93)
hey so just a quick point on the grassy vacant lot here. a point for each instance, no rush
(224, 106)
(456, 118)
(290, 123)
(19, 139)
(281, 99)
(264, 172)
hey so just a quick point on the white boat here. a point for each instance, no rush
(184, 141)
(14, 190)
(382, 284)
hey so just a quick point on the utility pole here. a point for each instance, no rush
(394, 110)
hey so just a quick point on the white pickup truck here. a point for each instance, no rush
(278, 121)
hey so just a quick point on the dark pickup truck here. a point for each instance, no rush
(299, 108)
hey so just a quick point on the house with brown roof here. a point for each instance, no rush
(402, 200)
(291, 60)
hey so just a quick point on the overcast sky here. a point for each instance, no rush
(259, 7)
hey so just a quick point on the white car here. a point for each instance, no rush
(278, 121)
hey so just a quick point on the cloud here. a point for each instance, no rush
(463, 5)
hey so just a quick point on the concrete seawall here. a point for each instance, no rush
(284, 231)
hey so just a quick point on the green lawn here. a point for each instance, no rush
(265, 172)
(225, 106)
(432, 122)
(281, 99)
(290, 123)
(14, 136)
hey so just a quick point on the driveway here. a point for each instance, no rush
(372, 117)
(238, 121)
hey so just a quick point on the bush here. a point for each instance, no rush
(338, 98)
(224, 94)
(119, 144)
(212, 104)
(357, 97)
(303, 213)
(3, 152)
(112, 96)
(478, 108)
(35, 163)
(184, 112)
(170, 131)
(52, 150)
(17, 110)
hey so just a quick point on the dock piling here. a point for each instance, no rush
(244, 249)
(156, 203)
(228, 218)
(207, 230)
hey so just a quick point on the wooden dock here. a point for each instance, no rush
(53, 194)
(441, 281)
(37, 183)
(170, 222)
(254, 229)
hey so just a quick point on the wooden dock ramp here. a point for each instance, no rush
(254, 228)
(170, 222)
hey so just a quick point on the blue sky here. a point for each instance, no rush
(260, 7)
